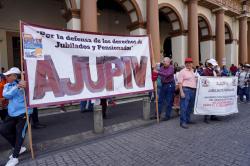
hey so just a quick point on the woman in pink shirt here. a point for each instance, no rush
(187, 84)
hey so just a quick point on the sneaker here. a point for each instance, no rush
(12, 162)
(22, 150)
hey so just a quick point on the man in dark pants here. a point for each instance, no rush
(104, 108)
(35, 121)
(167, 90)
(14, 127)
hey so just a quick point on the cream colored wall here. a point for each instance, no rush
(139, 31)
(206, 49)
(143, 7)
(74, 23)
(180, 7)
(179, 49)
(209, 15)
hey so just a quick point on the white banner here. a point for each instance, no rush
(66, 66)
(216, 96)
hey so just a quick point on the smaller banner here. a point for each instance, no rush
(216, 96)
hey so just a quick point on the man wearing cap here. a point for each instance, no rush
(244, 83)
(211, 71)
(187, 84)
(14, 127)
(167, 90)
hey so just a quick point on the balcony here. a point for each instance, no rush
(234, 6)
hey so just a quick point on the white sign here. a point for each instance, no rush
(216, 96)
(66, 66)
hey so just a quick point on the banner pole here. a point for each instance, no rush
(155, 83)
(24, 96)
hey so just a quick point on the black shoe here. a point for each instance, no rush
(184, 126)
(214, 118)
(104, 116)
(165, 119)
(153, 117)
(191, 122)
(206, 121)
(38, 126)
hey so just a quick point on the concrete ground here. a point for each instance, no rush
(223, 143)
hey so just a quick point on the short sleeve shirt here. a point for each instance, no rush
(187, 78)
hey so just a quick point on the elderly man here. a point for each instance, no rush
(187, 84)
(167, 90)
(14, 127)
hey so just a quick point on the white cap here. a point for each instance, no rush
(13, 70)
(212, 61)
(247, 65)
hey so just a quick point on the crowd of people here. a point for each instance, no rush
(176, 86)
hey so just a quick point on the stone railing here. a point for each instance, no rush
(232, 5)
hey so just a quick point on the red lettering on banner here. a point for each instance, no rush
(77, 87)
(47, 79)
(93, 86)
(112, 72)
(139, 70)
(107, 68)
(127, 73)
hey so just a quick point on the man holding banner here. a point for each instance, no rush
(187, 84)
(167, 90)
(15, 125)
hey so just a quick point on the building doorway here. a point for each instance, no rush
(167, 47)
(171, 26)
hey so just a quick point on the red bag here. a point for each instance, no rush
(154, 76)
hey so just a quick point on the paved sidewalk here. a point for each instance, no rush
(224, 143)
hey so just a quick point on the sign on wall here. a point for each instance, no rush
(216, 96)
(65, 66)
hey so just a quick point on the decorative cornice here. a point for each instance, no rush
(136, 25)
(71, 13)
(219, 9)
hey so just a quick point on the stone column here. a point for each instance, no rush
(220, 37)
(88, 13)
(193, 41)
(248, 41)
(98, 120)
(146, 108)
(243, 39)
(153, 27)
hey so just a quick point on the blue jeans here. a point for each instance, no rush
(244, 91)
(83, 105)
(166, 95)
(187, 105)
